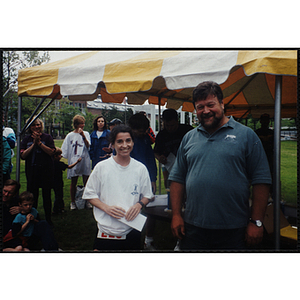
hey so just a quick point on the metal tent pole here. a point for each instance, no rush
(18, 139)
(159, 164)
(276, 176)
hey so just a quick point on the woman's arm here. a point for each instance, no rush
(113, 210)
(46, 149)
(26, 152)
(135, 209)
(86, 142)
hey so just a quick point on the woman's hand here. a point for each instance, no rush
(80, 131)
(133, 211)
(36, 137)
(115, 211)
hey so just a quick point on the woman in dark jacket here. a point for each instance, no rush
(37, 150)
(99, 140)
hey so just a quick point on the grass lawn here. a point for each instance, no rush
(289, 172)
(76, 230)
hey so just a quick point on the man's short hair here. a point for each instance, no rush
(169, 114)
(205, 89)
(12, 182)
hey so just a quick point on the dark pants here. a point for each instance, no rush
(59, 198)
(47, 203)
(132, 242)
(43, 233)
(197, 238)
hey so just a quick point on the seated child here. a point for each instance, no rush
(23, 224)
(59, 167)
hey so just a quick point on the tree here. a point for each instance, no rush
(65, 114)
(12, 61)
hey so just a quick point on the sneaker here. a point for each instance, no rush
(149, 246)
(88, 204)
(73, 206)
(177, 247)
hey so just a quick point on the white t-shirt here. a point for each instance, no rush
(99, 134)
(74, 147)
(117, 185)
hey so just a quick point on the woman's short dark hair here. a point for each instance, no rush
(118, 129)
(139, 121)
(95, 127)
(205, 89)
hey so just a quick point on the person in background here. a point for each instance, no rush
(99, 140)
(10, 136)
(58, 187)
(114, 122)
(168, 140)
(143, 152)
(150, 132)
(6, 160)
(10, 207)
(23, 224)
(76, 145)
(215, 165)
(118, 187)
(266, 136)
(37, 150)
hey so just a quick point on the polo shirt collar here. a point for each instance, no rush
(230, 123)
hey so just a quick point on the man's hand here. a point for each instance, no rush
(254, 234)
(15, 210)
(163, 160)
(177, 227)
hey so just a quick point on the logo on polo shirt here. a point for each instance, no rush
(230, 137)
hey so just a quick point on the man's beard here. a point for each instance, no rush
(213, 125)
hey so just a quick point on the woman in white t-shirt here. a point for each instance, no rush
(75, 145)
(118, 188)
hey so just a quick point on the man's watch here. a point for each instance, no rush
(258, 223)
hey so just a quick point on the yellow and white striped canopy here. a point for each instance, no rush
(246, 77)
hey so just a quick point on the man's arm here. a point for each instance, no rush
(260, 195)
(176, 196)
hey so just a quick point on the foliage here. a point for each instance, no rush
(65, 114)
(111, 113)
(11, 63)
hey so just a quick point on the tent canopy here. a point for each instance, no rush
(246, 77)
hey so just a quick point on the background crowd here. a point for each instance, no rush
(194, 165)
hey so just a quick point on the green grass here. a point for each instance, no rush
(289, 172)
(76, 230)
